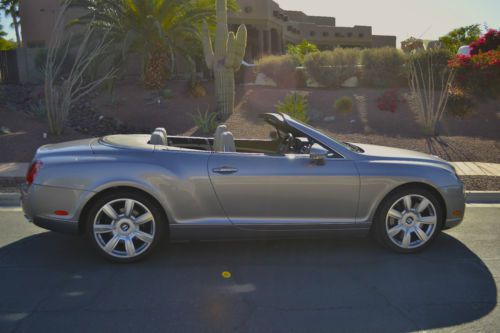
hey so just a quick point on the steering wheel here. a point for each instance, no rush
(286, 144)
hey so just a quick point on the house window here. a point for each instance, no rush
(338, 34)
(312, 33)
(349, 34)
(325, 33)
(361, 35)
(248, 9)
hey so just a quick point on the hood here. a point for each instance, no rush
(397, 153)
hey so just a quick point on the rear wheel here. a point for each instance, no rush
(408, 220)
(125, 226)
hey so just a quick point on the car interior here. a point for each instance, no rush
(280, 142)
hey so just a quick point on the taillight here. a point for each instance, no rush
(32, 171)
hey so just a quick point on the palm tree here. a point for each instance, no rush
(11, 8)
(157, 30)
(2, 33)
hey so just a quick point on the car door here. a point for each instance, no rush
(260, 189)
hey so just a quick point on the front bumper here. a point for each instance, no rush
(454, 197)
(39, 204)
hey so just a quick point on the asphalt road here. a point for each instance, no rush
(55, 283)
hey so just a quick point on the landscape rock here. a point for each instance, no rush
(263, 80)
(4, 130)
(351, 82)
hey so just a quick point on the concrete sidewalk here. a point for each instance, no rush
(13, 170)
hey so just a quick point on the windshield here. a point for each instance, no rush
(347, 145)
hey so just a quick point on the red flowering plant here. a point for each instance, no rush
(479, 73)
(389, 100)
(490, 41)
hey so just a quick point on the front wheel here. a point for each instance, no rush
(408, 220)
(125, 226)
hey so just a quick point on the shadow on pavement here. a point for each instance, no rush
(51, 282)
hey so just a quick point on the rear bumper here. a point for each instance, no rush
(39, 204)
(68, 227)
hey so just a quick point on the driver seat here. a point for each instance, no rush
(217, 145)
(228, 142)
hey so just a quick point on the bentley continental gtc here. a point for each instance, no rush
(129, 192)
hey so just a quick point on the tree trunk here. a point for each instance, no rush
(16, 28)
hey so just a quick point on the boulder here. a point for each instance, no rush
(263, 80)
(351, 82)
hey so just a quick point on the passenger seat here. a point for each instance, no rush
(159, 137)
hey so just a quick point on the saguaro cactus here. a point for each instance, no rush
(225, 59)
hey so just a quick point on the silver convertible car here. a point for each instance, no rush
(127, 192)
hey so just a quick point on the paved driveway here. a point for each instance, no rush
(51, 283)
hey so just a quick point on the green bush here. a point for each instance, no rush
(383, 67)
(282, 69)
(332, 68)
(295, 105)
(344, 104)
(300, 50)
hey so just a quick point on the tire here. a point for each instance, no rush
(408, 225)
(125, 226)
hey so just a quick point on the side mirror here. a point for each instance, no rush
(317, 153)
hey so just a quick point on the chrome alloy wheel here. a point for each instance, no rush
(124, 228)
(411, 221)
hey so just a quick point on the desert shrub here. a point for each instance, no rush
(167, 93)
(37, 109)
(295, 105)
(282, 69)
(332, 68)
(478, 74)
(383, 67)
(460, 103)
(389, 100)
(433, 62)
(300, 50)
(429, 81)
(343, 104)
(206, 121)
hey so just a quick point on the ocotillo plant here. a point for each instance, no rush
(225, 59)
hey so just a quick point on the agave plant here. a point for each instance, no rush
(206, 121)
(157, 30)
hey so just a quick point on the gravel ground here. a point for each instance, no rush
(481, 183)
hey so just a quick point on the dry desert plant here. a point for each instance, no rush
(62, 90)
(429, 84)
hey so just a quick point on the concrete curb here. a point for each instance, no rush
(472, 197)
(483, 196)
(9, 199)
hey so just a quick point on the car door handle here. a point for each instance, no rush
(224, 170)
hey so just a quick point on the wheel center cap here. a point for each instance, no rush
(124, 226)
(409, 220)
